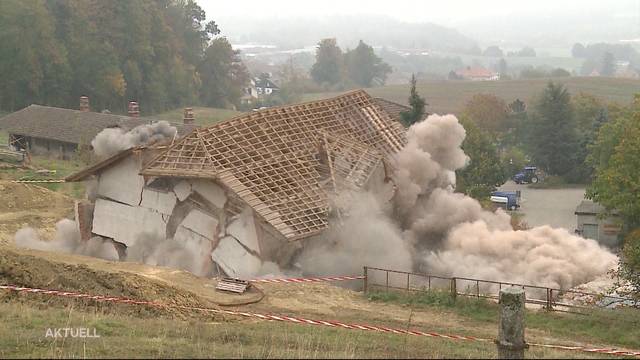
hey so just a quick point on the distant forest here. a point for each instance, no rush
(160, 53)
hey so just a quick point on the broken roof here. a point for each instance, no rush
(272, 158)
(67, 125)
(392, 108)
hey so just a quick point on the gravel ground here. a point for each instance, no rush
(553, 207)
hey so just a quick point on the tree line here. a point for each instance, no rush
(359, 66)
(161, 53)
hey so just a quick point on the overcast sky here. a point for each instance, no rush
(446, 12)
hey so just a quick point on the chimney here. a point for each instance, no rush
(134, 110)
(84, 103)
(188, 116)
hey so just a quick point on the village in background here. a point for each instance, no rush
(400, 175)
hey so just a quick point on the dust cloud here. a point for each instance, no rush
(113, 140)
(67, 240)
(148, 249)
(433, 229)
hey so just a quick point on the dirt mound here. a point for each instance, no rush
(24, 205)
(38, 269)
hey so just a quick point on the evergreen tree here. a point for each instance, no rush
(417, 104)
(329, 65)
(364, 66)
(552, 139)
(608, 67)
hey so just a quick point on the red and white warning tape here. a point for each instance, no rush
(308, 280)
(298, 320)
(38, 181)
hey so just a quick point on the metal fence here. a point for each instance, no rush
(548, 298)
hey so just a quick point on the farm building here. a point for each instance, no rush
(57, 132)
(245, 191)
(593, 222)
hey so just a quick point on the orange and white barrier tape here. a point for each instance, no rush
(297, 320)
(308, 280)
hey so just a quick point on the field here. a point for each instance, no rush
(139, 331)
(451, 96)
(204, 115)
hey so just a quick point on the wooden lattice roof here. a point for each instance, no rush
(273, 159)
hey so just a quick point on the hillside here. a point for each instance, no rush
(450, 96)
(204, 115)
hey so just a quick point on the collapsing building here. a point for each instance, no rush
(245, 191)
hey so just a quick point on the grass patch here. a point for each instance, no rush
(619, 327)
(4, 137)
(203, 115)
(450, 96)
(554, 182)
(62, 169)
(23, 330)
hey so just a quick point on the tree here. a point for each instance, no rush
(222, 74)
(329, 65)
(578, 50)
(33, 64)
(493, 51)
(488, 112)
(560, 72)
(485, 172)
(364, 66)
(552, 141)
(502, 67)
(608, 67)
(527, 52)
(417, 104)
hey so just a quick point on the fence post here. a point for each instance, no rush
(408, 282)
(454, 291)
(365, 279)
(511, 344)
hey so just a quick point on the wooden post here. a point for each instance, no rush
(454, 290)
(511, 344)
(365, 280)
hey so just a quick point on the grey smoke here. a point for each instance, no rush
(149, 248)
(366, 237)
(67, 240)
(433, 229)
(113, 140)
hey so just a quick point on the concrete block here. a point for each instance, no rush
(125, 223)
(210, 191)
(158, 200)
(235, 260)
(201, 223)
(121, 181)
(194, 242)
(243, 228)
(182, 190)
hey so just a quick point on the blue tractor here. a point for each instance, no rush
(528, 175)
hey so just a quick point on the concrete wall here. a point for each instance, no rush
(605, 231)
(51, 148)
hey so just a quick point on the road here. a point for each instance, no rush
(553, 207)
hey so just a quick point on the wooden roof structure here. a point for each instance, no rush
(278, 160)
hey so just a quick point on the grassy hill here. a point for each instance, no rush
(204, 115)
(450, 96)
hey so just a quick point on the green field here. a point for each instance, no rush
(204, 115)
(450, 96)
(23, 332)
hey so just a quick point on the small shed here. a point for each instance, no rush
(594, 222)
